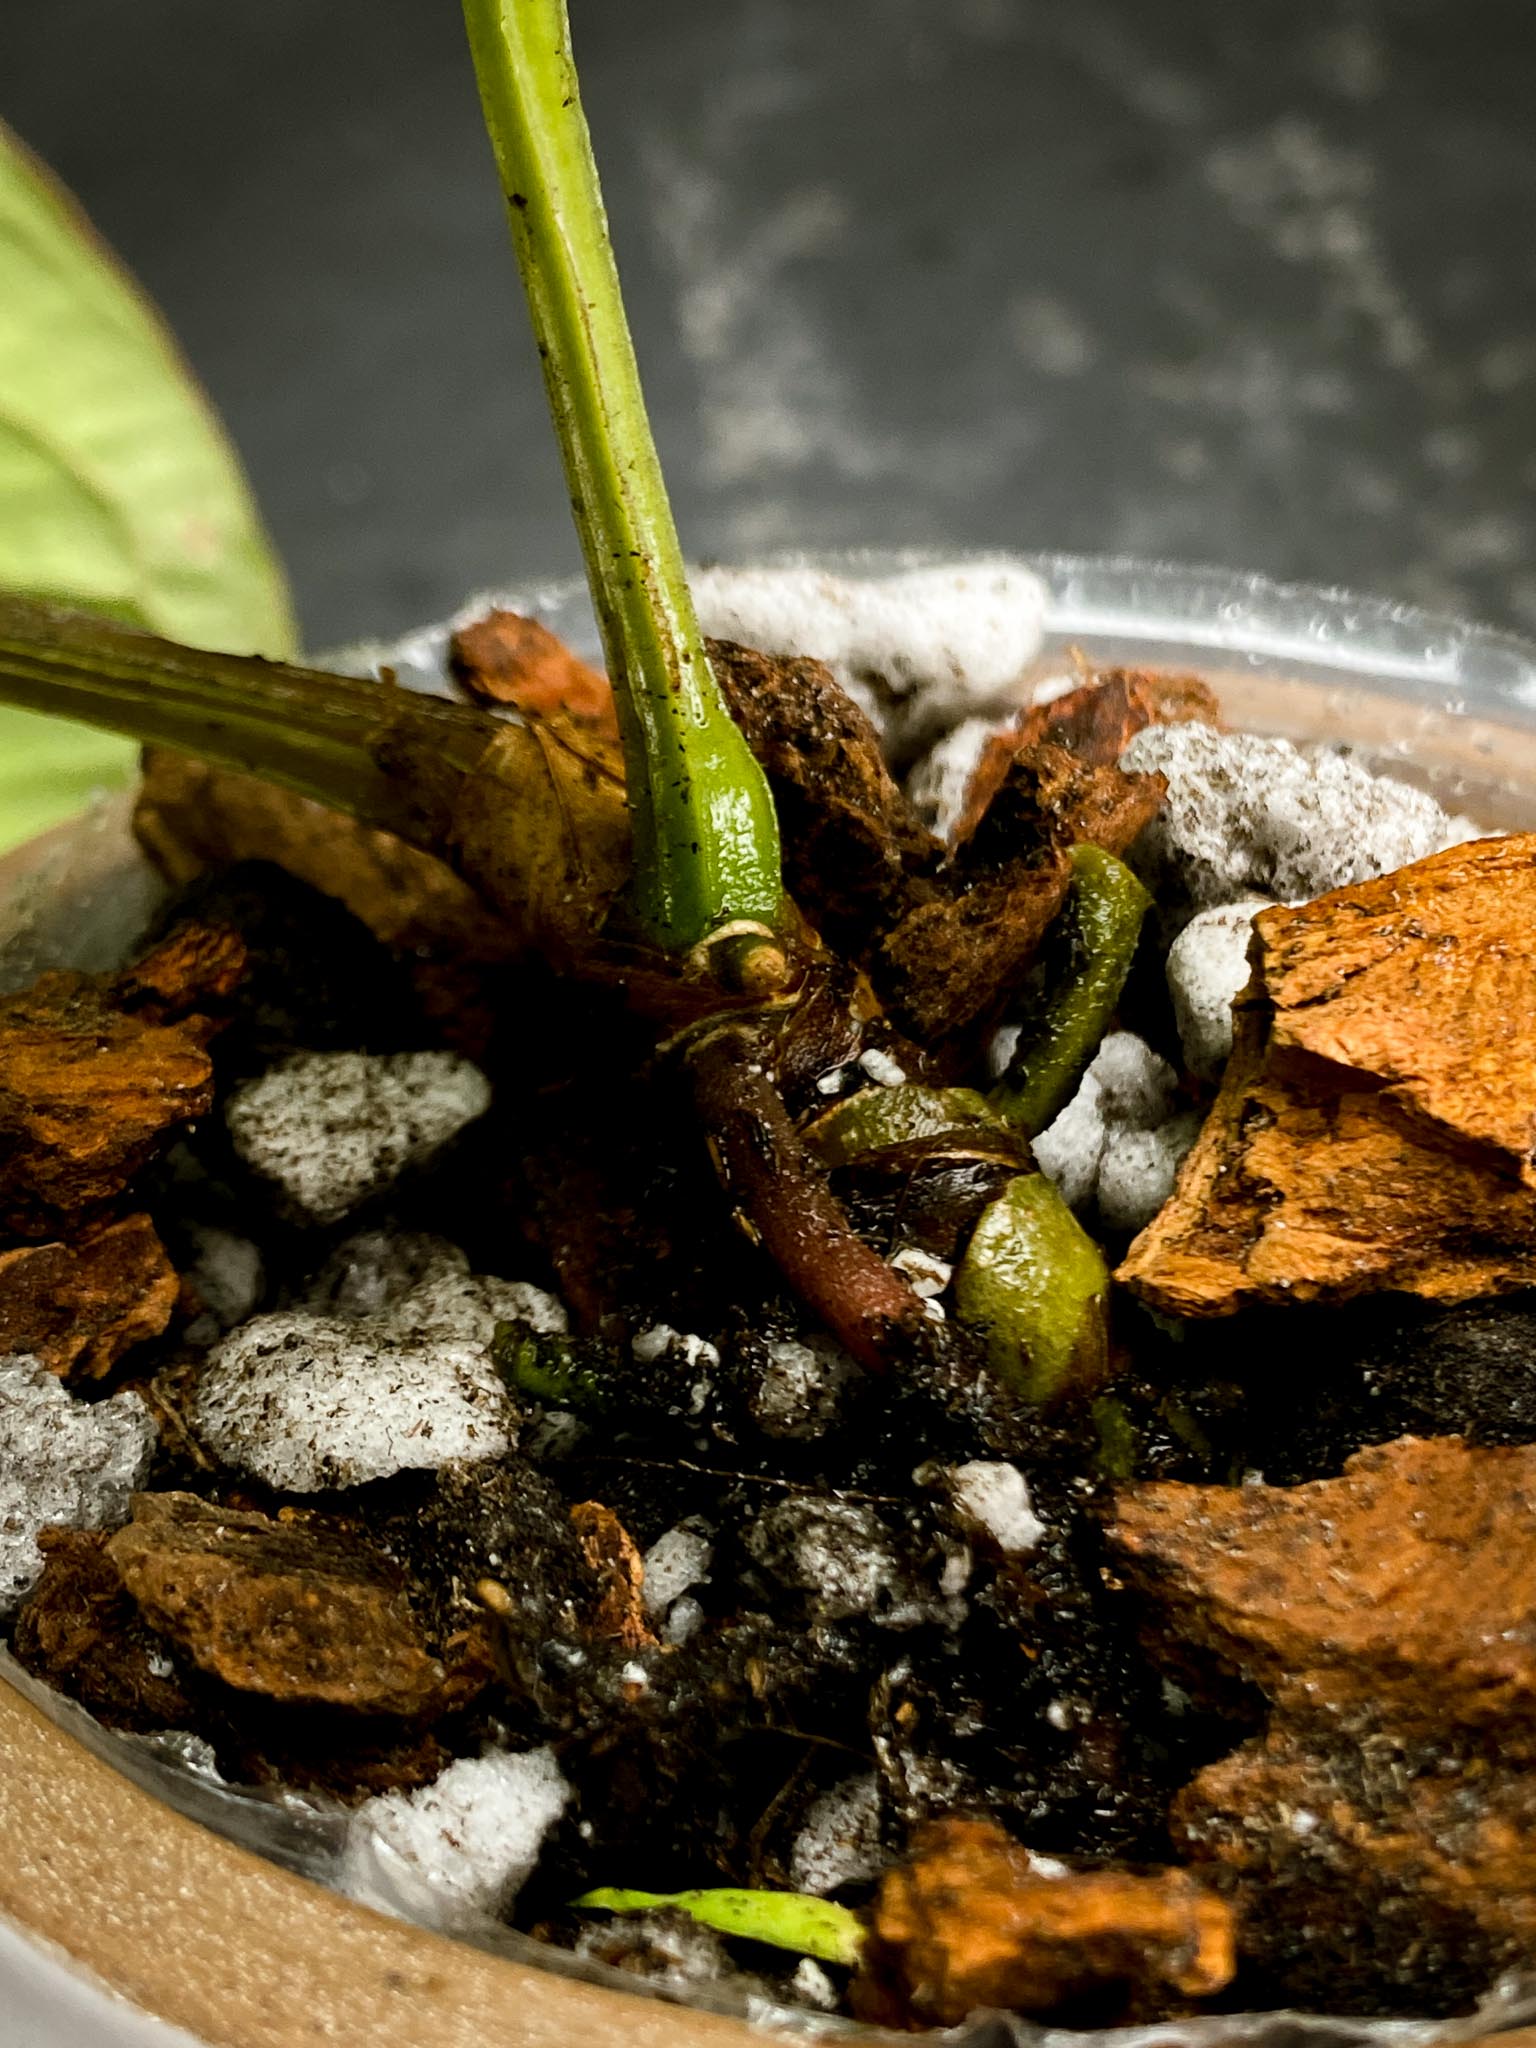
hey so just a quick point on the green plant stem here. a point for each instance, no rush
(326, 736)
(706, 837)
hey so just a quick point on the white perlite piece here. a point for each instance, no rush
(661, 1338)
(941, 782)
(837, 1551)
(1207, 968)
(841, 1555)
(375, 1270)
(882, 1069)
(799, 1392)
(1136, 1086)
(940, 785)
(685, 1621)
(519, 1301)
(926, 1275)
(1138, 1169)
(677, 1560)
(306, 1401)
(1246, 815)
(668, 1949)
(1070, 1147)
(993, 1497)
(919, 649)
(839, 1839)
(228, 1277)
(328, 1130)
(458, 1851)
(1117, 1145)
(61, 1461)
(813, 1987)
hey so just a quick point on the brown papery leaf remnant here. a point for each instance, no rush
(954, 959)
(531, 839)
(971, 1920)
(1095, 722)
(944, 937)
(616, 1563)
(527, 814)
(88, 1096)
(79, 1307)
(192, 816)
(505, 658)
(1049, 789)
(1377, 1838)
(1376, 1121)
(856, 853)
(297, 1609)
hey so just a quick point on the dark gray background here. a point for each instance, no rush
(1249, 281)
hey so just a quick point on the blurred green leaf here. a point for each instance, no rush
(792, 1920)
(118, 490)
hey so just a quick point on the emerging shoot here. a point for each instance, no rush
(706, 838)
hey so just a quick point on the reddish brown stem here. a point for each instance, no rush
(783, 1200)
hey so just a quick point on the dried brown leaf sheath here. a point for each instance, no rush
(192, 816)
(954, 959)
(856, 852)
(1095, 723)
(1376, 1122)
(529, 822)
(531, 845)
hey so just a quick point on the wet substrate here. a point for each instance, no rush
(854, 1627)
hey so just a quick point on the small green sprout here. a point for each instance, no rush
(793, 1920)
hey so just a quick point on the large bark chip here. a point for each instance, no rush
(1379, 1874)
(1376, 1838)
(88, 1095)
(295, 1608)
(80, 1632)
(1376, 1124)
(973, 1920)
(1407, 1586)
(80, 1307)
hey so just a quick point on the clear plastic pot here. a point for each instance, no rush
(197, 1931)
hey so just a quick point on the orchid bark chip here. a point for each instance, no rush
(1374, 1129)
